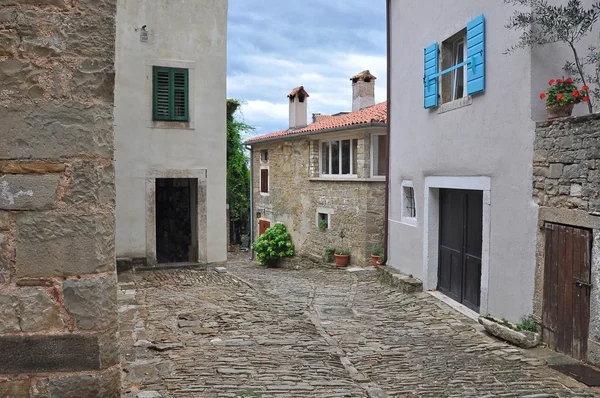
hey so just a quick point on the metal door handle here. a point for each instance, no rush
(580, 283)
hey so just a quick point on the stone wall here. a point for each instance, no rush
(296, 194)
(566, 186)
(58, 314)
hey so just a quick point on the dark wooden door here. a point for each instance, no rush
(567, 288)
(262, 226)
(461, 224)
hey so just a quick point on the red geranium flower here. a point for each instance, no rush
(559, 96)
(576, 93)
(569, 80)
(542, 95)
(585, 88)
(551, 82)
(585, 99)
(559, 80)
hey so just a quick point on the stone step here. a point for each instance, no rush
(396, 279)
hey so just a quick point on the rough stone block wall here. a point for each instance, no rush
(566, 165)
(58, 311)
(293, 199)
(566, 186)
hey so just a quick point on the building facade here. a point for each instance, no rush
(325, 180)
(461, 215)
(170, 117)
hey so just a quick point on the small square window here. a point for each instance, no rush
(264, 155)
(409, 206)
(323, 221)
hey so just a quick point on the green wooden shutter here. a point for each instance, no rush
(170, 94)
(161, 83)
(180, 94)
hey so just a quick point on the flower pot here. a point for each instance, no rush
(329, 258)
(560, 111)
(523, 339)
(375, 260)
(341, 260)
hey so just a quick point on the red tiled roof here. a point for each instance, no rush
(297, 90)
(373, 114)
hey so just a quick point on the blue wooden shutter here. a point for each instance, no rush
(476, 54)
(431, 68)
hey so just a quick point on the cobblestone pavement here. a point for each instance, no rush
(257, 332)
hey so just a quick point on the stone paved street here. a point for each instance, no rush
(257, 332)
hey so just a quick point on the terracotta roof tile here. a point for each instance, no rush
(373, 114)
(297, 90)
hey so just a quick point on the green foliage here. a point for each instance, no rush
(274, 244)
(505, 322)
(377, 251)
(527, 324)
(238, 174)
(249, 393)
(323, 225)
(344, 252)
(329, 251)
(564, 92)
(545, 24)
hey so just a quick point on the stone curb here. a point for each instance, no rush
(398, 280)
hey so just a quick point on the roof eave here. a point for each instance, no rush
(331, 130)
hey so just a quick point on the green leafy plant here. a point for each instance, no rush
(329, 251)
(564, 92)
(377, 251)
(323, 225)
(545, 24)
(527, 323)
(274, 244)
(344, 252)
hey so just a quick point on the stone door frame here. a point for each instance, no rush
(201, 211)
(431, 223)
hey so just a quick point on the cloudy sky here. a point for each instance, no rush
(276, 45)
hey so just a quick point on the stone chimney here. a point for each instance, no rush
(298, 108)
(363, 90)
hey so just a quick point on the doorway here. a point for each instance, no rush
(460, 246)
(176, 220)
(567, 288)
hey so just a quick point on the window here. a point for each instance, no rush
(379, 154)
(409, 208)
(338, 157)
(170, 94)
(323, 220)
(264, 155)
(264, 180)
(454, 52)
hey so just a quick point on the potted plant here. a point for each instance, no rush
(329, 252)
(273, 245)
(377, 255)
(524, 334)
(341, 258)
(323, 225)
(561, 96)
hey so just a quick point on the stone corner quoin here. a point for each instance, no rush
(58, 310)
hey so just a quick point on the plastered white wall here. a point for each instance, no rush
(182, 33)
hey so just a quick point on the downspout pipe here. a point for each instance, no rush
(389, 136)
(251, 237)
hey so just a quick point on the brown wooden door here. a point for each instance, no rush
(262, 226)
(567, 285)
(461, 227)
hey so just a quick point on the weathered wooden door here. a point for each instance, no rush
(262, 226)
(567, 288)
(461, 225)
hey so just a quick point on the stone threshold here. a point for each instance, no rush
(404, 283)
(169, 266)
(469, 313)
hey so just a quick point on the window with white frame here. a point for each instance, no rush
(409, 206)
(454, 52)
(338, 157)
(378, 155)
